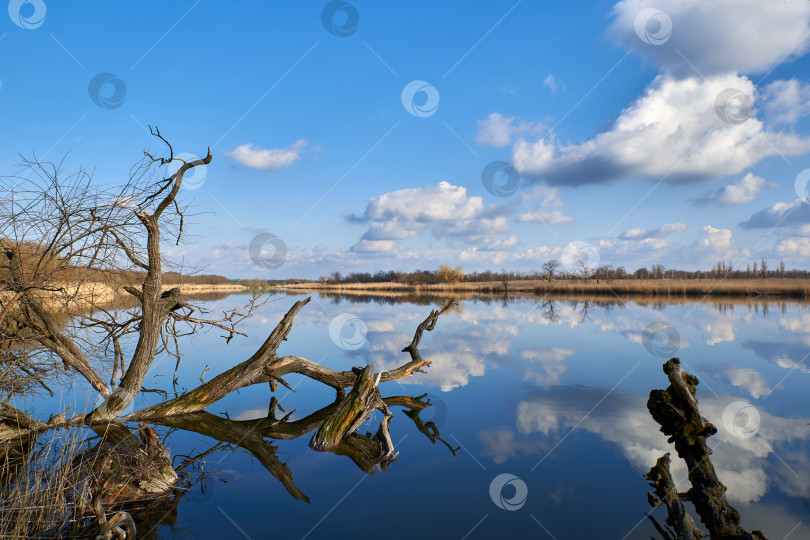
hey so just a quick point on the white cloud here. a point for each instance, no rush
(544, 212)
(716, 240)
(739, 191)
(551, 360)
(742, 36)
(443, 201)
(552, 83)
(443, 211)
(720, 330)
(374, 246)
(267, 159)
(794, 246)
(781, 214)
(786, 101)
(497, 130)
(749, 380)
(670, 133)
(664, 230)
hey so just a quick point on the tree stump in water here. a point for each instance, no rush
(676, 410)
(352, 411)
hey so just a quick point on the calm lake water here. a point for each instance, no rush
(553, 394)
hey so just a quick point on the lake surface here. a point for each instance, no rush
(551, 393)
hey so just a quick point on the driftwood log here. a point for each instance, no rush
(676, 410)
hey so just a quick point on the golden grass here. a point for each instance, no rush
(36, 487)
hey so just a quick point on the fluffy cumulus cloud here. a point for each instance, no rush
(498, 131)
(671, 133)
(741, 36)
(446, 211)
(739, 191)
(271, 159)
(716, 241)
(793, 246)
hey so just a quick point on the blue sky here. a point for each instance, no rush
(610, 116)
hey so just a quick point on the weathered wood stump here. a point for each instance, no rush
(676, 410)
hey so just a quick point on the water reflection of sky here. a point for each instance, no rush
(554, 394)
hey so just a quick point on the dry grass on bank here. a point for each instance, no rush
(35, 488)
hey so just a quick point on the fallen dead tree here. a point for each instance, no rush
(52, 223)
(676, 410)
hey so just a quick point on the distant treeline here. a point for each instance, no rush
(553, 270)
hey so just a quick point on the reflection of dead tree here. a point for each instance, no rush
(676, 410)
(368, 452)
(429, 429)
